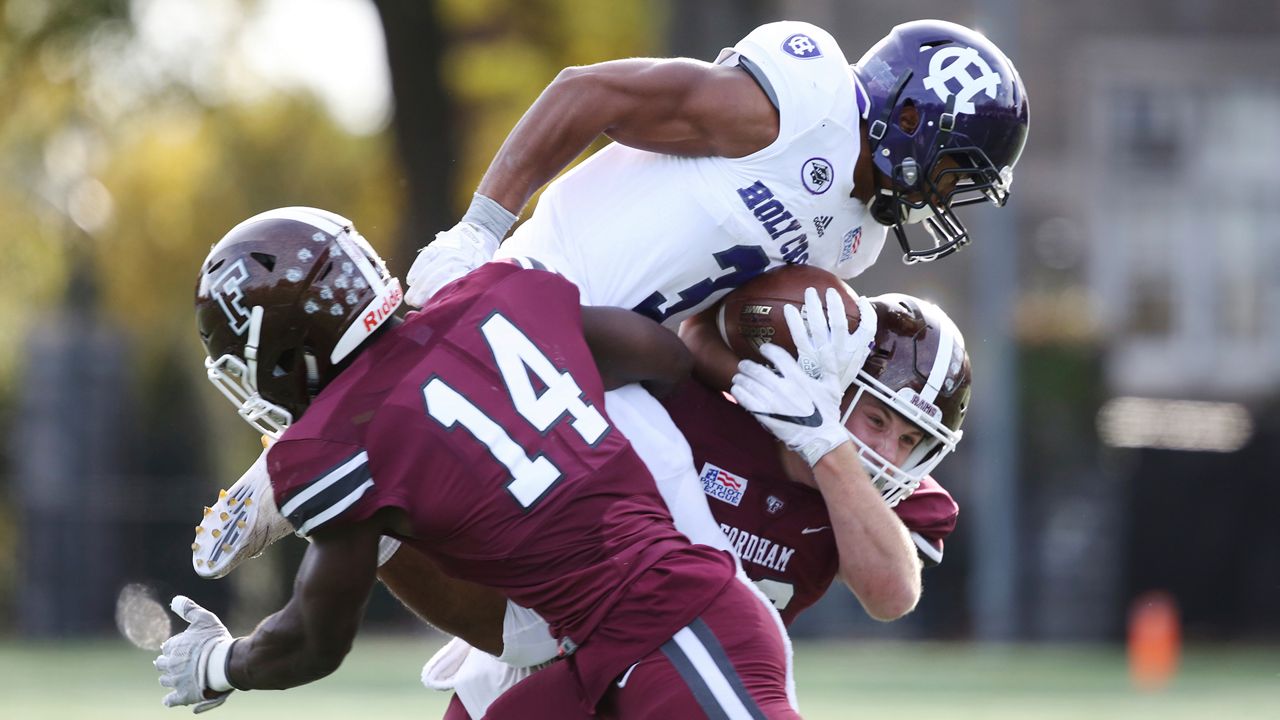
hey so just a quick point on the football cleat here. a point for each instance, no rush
(241, 524)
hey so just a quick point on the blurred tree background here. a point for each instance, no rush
(134, 135)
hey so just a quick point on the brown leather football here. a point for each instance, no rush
(752, 315)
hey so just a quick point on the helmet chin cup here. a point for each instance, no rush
(230, 376)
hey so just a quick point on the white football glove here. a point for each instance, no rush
(799, 410)
(454, 253)
(826, 348)
(194, 660)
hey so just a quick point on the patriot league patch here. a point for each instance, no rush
(722, 484)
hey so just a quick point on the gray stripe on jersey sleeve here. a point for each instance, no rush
(758, 75)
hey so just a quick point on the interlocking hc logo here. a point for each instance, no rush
(962, 58)
(230, 294)
(801, 46)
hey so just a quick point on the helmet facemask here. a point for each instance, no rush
(230, 375)
(915, 191)
(291, 378)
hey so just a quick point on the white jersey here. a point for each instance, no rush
(667, 235)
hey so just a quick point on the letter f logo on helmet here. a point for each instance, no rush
(230, 294)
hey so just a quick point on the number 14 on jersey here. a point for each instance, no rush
(516, 357)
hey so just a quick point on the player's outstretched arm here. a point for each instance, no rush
(629, 348)
(311, 635)
(674, 106)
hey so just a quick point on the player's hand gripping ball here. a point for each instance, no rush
(756, 313)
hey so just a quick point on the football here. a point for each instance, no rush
(752, 315)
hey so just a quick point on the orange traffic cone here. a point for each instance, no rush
(1155, 640)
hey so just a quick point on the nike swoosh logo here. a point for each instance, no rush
(623, 682)
(810, 531)
(812, 420)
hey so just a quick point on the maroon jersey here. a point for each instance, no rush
(482, 418)
(778, 527)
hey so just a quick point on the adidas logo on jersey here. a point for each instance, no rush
(820, 224)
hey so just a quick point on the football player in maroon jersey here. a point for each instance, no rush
(797, 528)
(474, 433)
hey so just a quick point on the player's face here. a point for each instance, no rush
(945, 177)
(883, 429)
(918, 205)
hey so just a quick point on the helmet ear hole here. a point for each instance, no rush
(284, 364)
(908, 118)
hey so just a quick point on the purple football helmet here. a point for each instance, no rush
(965, 119)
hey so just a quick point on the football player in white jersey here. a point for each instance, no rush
(779, 152)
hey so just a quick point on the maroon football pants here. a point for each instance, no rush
(729, 663)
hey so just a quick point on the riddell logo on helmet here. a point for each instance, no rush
(379, 314)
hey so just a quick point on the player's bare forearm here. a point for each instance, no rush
(311, 635)
(466, 610)
(878, 561)
(677, 106)
(714, 364)
(629, 348)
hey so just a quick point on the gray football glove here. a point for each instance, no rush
(454, 253)
(186, 658)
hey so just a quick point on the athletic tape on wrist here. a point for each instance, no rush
(218, 679)
(486, 213)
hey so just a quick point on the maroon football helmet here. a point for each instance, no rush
(281, 302)
(920, 369)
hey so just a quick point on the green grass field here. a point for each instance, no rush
(112, 681)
